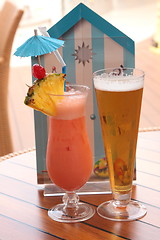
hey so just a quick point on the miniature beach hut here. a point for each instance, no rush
(91, 43)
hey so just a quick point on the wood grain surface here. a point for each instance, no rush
(23, 208)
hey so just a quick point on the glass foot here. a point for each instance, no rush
(72, 215)
(132, 211)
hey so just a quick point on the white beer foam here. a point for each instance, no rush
(120, 83)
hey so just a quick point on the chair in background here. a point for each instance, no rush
(10, 16)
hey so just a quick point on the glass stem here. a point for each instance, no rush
(70, 200)
(121, 200)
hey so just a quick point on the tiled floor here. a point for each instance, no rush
(137, 21)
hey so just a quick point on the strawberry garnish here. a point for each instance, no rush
(38, 71)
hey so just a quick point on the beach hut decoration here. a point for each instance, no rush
(91, 43)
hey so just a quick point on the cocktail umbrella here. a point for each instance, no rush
(38, 45)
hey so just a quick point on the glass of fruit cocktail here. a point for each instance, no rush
(69, 158)
(119, 95)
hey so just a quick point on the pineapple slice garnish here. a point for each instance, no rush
(39, 96)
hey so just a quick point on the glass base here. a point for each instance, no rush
(132, 211)
(82, 213)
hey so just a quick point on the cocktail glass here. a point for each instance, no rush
(119, 96)
(69, 157)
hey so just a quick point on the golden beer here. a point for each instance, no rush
(119, 113)
(119, 96)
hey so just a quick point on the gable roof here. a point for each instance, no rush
(81, 11)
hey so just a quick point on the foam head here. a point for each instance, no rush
(118, 83)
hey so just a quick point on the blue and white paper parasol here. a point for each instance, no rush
(38, 45)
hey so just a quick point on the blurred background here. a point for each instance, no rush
(140, 20)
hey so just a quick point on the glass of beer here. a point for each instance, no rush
(119, 96)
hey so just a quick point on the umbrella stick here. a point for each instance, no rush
(39, 59)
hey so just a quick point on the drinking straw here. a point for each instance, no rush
(64, 69)
(56, 52)
(44, 32)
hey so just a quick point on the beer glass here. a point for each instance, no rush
(119, 95)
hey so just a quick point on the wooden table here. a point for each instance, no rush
(23, 208)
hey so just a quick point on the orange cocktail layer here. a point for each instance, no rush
(69, 158)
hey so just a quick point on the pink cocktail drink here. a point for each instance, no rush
(69, 157)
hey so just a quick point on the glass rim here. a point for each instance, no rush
(141, 72)
(86, 88)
